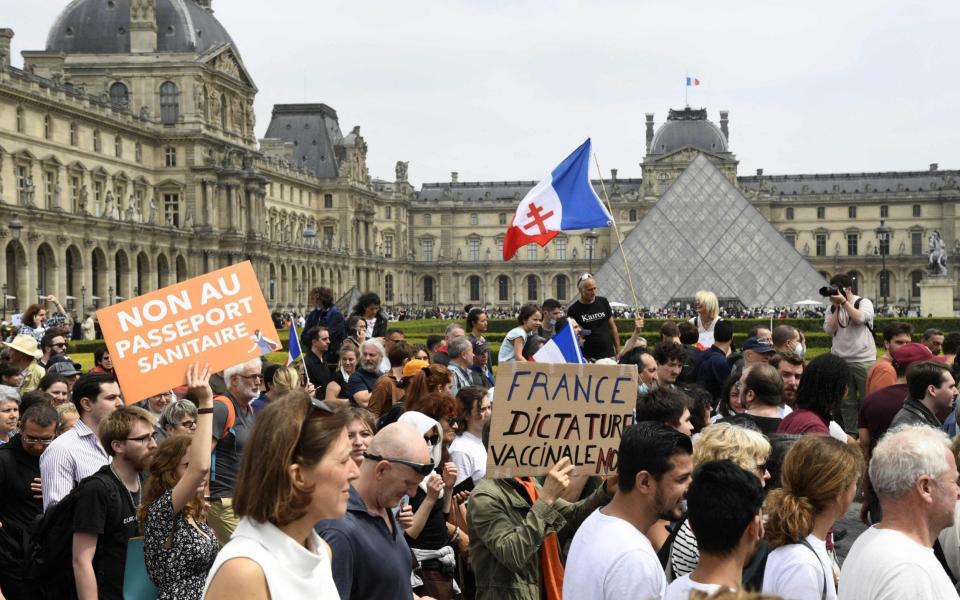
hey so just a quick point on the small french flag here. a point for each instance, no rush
(294, 349)
(561, 348)
(692, 81)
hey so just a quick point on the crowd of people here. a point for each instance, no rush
(360, 471)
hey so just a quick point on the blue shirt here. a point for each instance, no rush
(369, 560)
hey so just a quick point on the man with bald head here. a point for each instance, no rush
(371, 559)
(593, 313)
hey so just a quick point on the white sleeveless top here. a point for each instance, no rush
(292, 571)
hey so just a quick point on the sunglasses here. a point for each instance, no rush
(315, 405)
(421, 469)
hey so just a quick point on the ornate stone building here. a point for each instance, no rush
(128, 161)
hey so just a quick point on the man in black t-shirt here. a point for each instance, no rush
(593, 312)
(105, 515)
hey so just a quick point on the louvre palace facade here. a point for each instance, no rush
(129, 161)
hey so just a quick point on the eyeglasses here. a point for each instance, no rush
(36, 441)
(63, 345)
(453, 421)
(257, 377)
(188, 424)
(144, 438)
(421, 469)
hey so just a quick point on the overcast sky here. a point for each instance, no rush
(502, 90)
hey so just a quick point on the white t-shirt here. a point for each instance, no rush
(705, 338)
(468, 453)
(680, 588)
(506, 348)
(795, 573)
(610, 559)
(884, 564)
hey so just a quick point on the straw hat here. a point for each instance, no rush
(25, 344)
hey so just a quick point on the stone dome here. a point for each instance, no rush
(688, 127)
(103, 27)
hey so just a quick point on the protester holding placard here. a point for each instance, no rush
(179, 546)
(513, 525)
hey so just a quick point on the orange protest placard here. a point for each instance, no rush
(219, 318)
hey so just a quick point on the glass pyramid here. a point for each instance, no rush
(704, 234)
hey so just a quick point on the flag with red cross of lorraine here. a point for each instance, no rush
(564, 201)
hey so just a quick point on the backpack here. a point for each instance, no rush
(49, 547)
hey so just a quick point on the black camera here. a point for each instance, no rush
(827, 291)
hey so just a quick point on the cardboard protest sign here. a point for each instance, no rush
(219, 318)
(544, 412)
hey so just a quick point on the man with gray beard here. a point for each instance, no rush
(360, 385)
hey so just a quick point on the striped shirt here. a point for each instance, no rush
(71, 457)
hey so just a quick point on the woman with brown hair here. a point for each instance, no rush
(35, 320)
(179, 546)
(432, 378)
(337, 388)
(360, 430)
(819, 479)
(296, 471)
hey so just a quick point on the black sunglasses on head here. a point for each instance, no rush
(421, 469)
(315, 405)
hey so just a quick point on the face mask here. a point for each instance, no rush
(642, 389)
(552, 322)
(799, 349)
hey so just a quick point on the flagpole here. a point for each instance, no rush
(306, 375)
(616, 232)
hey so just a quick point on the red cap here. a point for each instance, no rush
(911, 353)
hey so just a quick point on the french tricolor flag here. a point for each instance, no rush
(692, 81)
(564, 201)
(561, 348)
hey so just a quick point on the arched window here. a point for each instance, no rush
(474, 284)
(503, 288)
(915, 278)
(428, 289)
(533, 288)
(169, 103)
(561, 285)
(119, 97)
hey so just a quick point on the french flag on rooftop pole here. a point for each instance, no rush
(561, 348)
(564, 201)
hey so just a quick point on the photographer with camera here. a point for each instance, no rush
(850, 321)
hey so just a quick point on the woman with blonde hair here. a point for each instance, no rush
(296, 470)
(708, 313)
(746, 448)
(819, 479)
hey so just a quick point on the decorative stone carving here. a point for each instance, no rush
(215, 106)
(152, 218)
(108, 207)
(401, 170)
(142, 10)
(225, 63)
(82, 202)
(57, 191)
(937, 265)
(251, 117)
